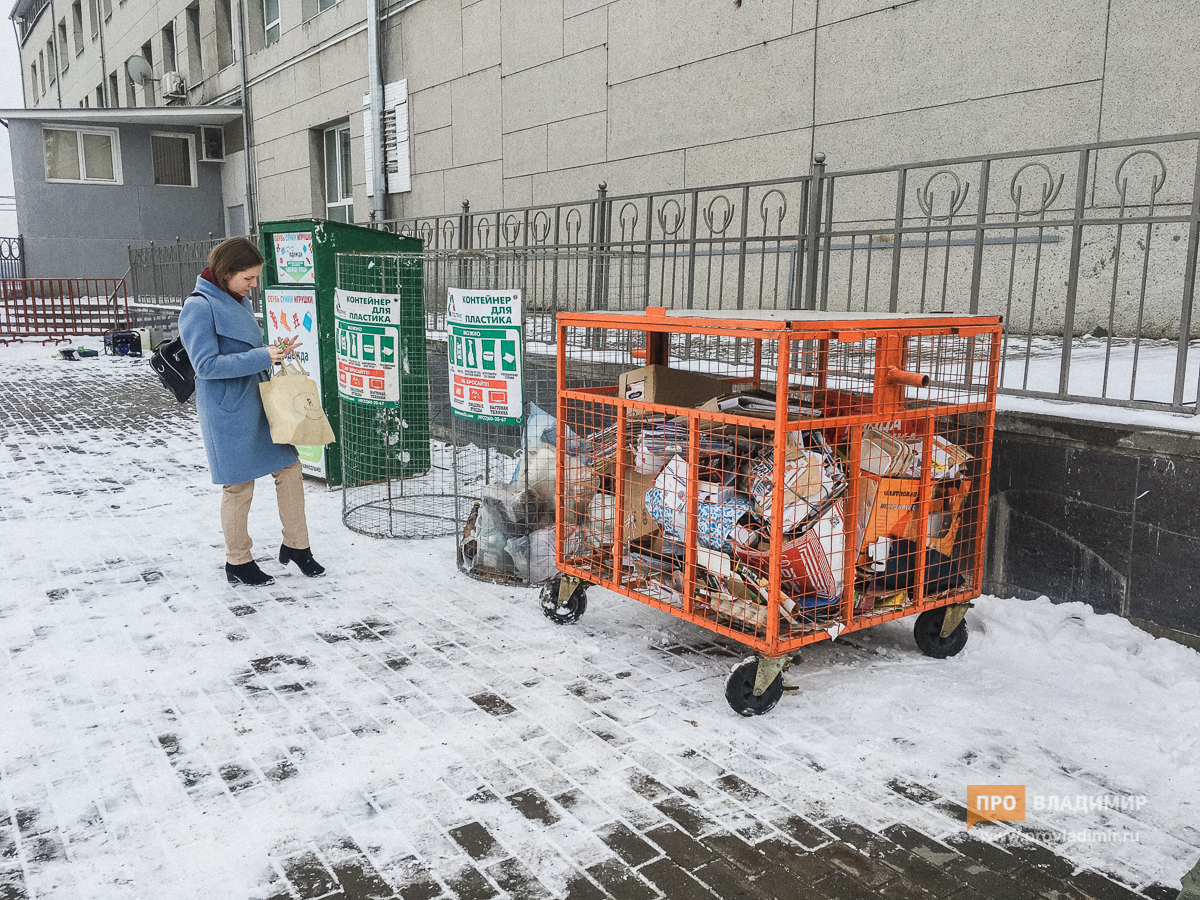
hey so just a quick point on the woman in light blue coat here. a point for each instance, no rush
(225, 345)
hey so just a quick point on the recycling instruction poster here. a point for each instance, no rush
(294, 257)
(484, 349)
(293, 314)
(368, 347)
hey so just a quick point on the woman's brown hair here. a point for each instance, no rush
(232, 256)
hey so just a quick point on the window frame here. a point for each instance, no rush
(276, 23)
(64, 49)
(78, 27)
(79, 130)
(345, 191)
(170, 47)
(191, 139)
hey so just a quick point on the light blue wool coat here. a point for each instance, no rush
(225, 345)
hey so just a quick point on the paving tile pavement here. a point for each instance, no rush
(172, 736)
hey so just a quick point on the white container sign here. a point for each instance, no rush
(485, 349)
(293, 314)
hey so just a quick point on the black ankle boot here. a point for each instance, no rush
(302, 558)
(247, 573)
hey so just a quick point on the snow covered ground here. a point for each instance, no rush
(167, 735)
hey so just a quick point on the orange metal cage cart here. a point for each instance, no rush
(777, 477)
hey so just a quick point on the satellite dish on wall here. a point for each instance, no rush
(139, 70)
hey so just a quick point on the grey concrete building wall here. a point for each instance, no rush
(515, 102)
(293, 102)
(533, 101)
(84, 230)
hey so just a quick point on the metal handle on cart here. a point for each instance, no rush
(911, 379)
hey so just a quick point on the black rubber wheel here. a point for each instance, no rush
(575, 607)
(928, 634)
(739, 690)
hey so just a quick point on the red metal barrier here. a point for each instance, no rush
(53, 308)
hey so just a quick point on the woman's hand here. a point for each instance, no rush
(282, 348)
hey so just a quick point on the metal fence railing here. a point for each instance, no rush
(12, 257)
(1089, 252)
(54, 308)
(162, 275)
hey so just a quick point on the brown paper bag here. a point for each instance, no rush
(293, 408)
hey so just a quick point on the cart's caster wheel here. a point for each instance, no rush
(928, 634)
(739, 689)
(563, 613)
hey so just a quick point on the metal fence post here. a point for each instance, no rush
(812, 246)
(897, 240)
(603, 240)
(1189, 292)
(985, 169)
(595, 242)
(1064, 376)
(464, 241)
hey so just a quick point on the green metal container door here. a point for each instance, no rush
(381, 341)
(299, 279)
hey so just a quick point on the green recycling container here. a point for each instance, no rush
(299, 285)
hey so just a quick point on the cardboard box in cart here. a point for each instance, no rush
(830, 476)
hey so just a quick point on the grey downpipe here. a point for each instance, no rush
(251, 212)
(57, 53)
(375, 74)
(21, 66)
(103, 64)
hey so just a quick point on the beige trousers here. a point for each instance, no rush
(235, 511)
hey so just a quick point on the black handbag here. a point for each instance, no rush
(174, 369)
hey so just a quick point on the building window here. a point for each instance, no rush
(338, 203)
(195, 62)
(323, 5)
(33, 80)
(174, 158)
(212, 143)
(41, 64)
(94, 9)
(77, 25)
(114, 96)
(51, 57)
(170, 62)
(224, 34)
(271, 27)
(64, 53)
(82, 155)
(148, 85)
(100, 104)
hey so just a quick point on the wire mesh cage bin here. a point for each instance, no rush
(495, 311)
(780, 478)
(483, 403)
(395, 478)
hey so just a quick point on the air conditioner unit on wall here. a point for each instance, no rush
(212, 143)
(173, 86)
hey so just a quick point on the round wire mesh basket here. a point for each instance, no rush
(413, 468)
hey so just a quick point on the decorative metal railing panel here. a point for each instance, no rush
(12, 257)
(162, 275)
(1089, 252)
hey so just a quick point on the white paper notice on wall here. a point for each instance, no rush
(395, 136)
